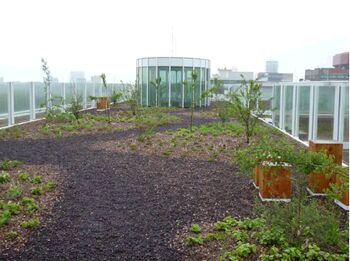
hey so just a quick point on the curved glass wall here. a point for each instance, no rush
(172, 71)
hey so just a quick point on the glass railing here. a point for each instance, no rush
(23, 102)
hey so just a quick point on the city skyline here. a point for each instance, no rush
(104, 36)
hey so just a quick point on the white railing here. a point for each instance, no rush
(312, 110)
(25, 102)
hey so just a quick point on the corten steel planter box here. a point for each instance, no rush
(275, 182)
(318, 183)
(256, 172)
(102, 103)
(344, 197)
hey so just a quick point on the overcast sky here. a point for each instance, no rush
(97, 36)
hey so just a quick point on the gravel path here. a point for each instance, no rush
(124, 206)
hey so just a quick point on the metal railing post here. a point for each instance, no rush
(85, 96)
(64, 95)
(32, 102)
(10, 104)
(336, 113)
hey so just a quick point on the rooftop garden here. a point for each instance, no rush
(130, 182)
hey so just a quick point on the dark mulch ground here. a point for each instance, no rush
(124, 206)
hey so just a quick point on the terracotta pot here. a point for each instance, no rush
(319, 182)
(275, 181)
(344, 196)
(102, 103)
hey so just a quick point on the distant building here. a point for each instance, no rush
(341, 61)
(271, 73)
(271, 66)
(231, 77)
(1, 79)
(274, 77)
(77, 76)
(96, 79)
(340, 71)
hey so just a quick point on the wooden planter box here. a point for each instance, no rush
(102, 103)
(344, 197)
(256, 172)
(319, 182)
(275, 183)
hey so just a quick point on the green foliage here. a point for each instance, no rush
(24, 176)
(306, 222)
(13, 192)
(244, 106)
(4, 177)
(116, 96)
(192, 241)
(11, 235)
(36, 191)
(13, 208)
(75, 107)
(37, 180)
(133, 99)
(273, 236)
(242, 250)
(195, 228)
(50, 186)
(30, 204)
(13, 132)
(30, 224)
(224, 111)
(239, 236)
(5, 217)
(156, 84)
(9, 164)
(265, 149)
(192, 87)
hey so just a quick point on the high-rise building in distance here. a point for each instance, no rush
(271, 66)
(77, 76)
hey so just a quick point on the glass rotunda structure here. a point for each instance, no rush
(172, 71)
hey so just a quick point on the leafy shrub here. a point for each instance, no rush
(30, 204)
(50, 186)
(13, 192)
(4, 177)
(192, 241)
(9, 164)
(30, 224)
(5, 217)
(195, 228)
(242, 251)
(37, 179)
(36, 191)
(13, 208)
(24, 176)
(11, 235)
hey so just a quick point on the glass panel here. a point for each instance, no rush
(21, 101)
(346, 116)
(276, 105)
(325, 114)
(163, 61)
(152, 96)
(176, 86)
(3, 104)
(202, 85)
(152, 62)
(187, 90)
(197, 87)
(144, 85)
(304, 112)
(163, 73)
(288, 109)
